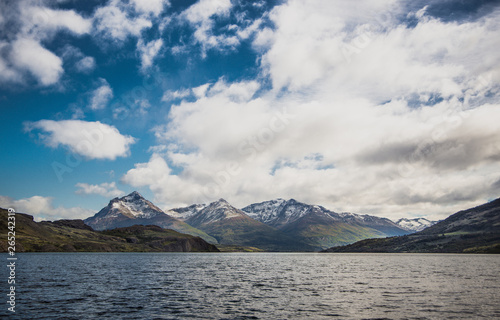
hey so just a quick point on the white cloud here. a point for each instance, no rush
(148, 52)
(203, 10)
(28, 54)
(154, 7)
(178, 94)
(85, 65)
(101, 96)
(7, 72)
(200, 91)
(42, 21)
(41, 208)
(24, 53)
(113, 21)
(201, 16)
(92, 140)
(365, 115)
(168, 189)
(328, 44)
(108, 190)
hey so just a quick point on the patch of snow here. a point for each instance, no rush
(415, 225)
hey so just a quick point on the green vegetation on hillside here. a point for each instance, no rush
(244, 231)
(75, 236)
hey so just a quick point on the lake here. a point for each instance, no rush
(254, 286)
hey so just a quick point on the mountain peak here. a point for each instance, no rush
(133, 195)
(133, 206)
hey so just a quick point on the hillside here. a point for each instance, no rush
(75, 236)
(476, 230)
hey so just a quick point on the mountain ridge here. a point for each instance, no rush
(134, 209)
(474, 230)
(273, 225)
(318, 226)
(232, 226)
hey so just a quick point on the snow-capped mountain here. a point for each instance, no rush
(133, 209)
(231, 226)
(130, 207)
(216, 211)
(318, 226)
(415, 225)
(279, 213)
(276, 225)
(134, 205)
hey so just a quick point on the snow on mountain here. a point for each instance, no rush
(132, 206)
(186, 212)
(414, 225)
(266, 211)
(215, 211)
(280, 212)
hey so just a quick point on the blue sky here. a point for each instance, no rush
(378, 107)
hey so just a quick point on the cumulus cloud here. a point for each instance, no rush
(28, 54)
(170, 190)
(201, 16)
(108, 190)
(85, 65)
(42, 21)
(154, 7)
(92, 140)
(22, 55)
(366, 114)
(101, 96)
(8, 73)
(41, 208)
(114, 21)
(148, 52)
(372, 52)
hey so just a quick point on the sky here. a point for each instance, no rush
(383, 107)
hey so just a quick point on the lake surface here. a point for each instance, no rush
(254, 286)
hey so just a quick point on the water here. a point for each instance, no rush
(254, 286)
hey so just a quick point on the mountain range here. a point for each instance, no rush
(320, 227)
(475, 230)
(276, 225)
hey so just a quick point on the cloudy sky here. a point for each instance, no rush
(383, 107)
